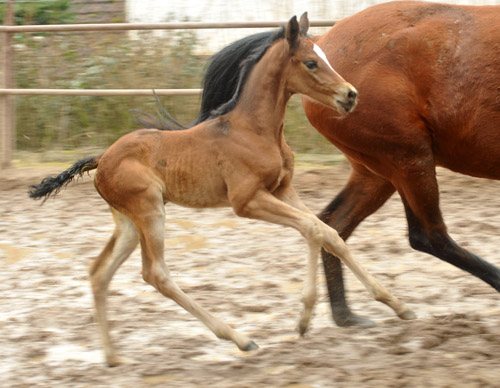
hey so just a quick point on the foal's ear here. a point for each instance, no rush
(292, 32)
(304, 24)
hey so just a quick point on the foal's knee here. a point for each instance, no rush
(314, 232)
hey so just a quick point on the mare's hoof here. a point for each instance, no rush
(251, 346)
(407, 315)
(355, 320)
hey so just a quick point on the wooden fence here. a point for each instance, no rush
(8, 90)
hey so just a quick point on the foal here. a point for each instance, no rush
(239, 158)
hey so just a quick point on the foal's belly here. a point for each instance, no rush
(196, 185)
(195, 194)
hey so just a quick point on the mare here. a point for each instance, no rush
(428, 77)
(237, 158)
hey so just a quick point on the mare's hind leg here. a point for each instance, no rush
(117, 250)
(363, 194)
(150, 225)
(427, 231)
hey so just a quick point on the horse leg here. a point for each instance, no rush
(265, 206)
(364, 194)
(117, 250)
(309, 291)
(150, 225)
(427, 230)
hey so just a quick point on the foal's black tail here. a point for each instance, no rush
(53, 184)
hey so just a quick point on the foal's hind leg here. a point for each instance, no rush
(150, 225)
(117, 250)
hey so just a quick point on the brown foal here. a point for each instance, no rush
(239, 158)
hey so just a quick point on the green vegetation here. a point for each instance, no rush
(40, 12)
(95, 61)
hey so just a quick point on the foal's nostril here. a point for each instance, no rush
(351, 96)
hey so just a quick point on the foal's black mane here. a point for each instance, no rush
(228, 71)
(223, 81)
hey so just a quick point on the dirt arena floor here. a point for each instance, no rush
(249, 273)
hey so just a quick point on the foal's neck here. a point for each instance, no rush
(265, 96)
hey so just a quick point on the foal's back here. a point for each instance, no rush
(428, 78)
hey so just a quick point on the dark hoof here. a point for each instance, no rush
(251, 346)
(355, 320)
(407, 315)
(302, 328)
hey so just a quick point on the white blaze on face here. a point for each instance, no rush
(322, 55)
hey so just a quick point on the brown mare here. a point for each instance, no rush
(428, 77)
(238, 159)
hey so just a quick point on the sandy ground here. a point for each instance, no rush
(248, 273)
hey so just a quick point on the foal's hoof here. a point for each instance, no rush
(354, 320)
(115, 360)
(407, 315)
(302, 328)
(251, 346)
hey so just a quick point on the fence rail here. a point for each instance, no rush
(7, 89)
(99, 92)
(154, 26)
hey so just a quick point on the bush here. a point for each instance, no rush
(40, 12)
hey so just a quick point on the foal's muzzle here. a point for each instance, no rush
(350, 101)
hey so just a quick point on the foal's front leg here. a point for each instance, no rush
(309, 291)
(265, 206)
(289, 210)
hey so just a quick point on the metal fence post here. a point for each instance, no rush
(6, 102)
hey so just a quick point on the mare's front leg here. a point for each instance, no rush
(363, 194)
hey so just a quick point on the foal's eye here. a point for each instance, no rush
(311, 65)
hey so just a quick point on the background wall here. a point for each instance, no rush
(255, 10)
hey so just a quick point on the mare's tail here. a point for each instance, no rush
(53, 184)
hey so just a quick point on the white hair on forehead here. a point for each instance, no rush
(322, 55)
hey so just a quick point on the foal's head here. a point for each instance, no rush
(310, 73)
